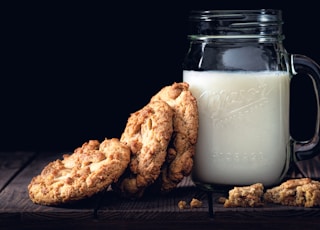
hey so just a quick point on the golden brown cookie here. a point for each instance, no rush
(245, 196)
(295, 192)
(90, 169)
(147, 133)
(179, 161)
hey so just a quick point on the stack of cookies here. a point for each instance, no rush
(155, 150)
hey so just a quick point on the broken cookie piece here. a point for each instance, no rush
(302, 192)
(245, 196)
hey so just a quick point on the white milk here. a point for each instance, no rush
(244, 126)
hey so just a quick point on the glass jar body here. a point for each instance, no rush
(240, 73)
(233, 55)
(242, 90)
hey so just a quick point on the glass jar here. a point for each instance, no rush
(240, 73)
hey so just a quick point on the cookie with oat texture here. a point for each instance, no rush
(303, 192)
(179, 160)
(90, 169)
(245, 196)
(147, 133)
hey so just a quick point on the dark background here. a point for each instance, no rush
(75, 71)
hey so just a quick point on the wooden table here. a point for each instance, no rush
(107, 210)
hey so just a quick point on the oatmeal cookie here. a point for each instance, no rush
(88, 170)
(302, 192)
(245, 196)
(147, 133)
(179, 161)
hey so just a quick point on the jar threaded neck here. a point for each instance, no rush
(263, 24)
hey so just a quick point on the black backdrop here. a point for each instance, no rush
(75, 71)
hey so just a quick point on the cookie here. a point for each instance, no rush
(179, 161)
(245, 196)
(302, 192)
(88, 170)
(147, 133)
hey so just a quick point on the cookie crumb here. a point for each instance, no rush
(195, 203)
(182, 204)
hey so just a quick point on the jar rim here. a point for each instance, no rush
(230, 23)
(212, 14)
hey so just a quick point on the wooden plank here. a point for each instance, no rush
(154, 211)
(10, 165)
(159, 207)
(17, 206)
(276, 224)
(154, 206)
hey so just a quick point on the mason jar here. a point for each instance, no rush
(240, 73)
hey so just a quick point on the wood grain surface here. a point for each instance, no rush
(152, 211)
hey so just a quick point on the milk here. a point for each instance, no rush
(243, 126)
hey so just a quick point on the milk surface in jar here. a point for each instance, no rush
(243, 126)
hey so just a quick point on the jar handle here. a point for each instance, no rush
(304, 65)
